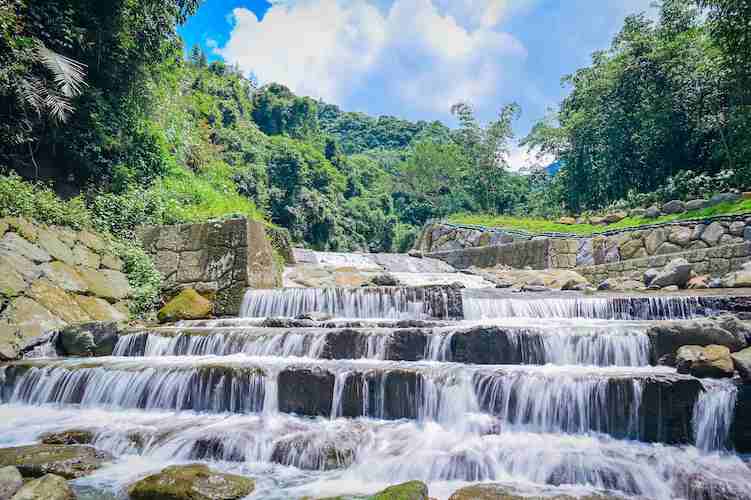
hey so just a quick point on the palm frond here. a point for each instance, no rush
(69, 75)
(31, 93)
(58, 105)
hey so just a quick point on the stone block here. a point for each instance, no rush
(166, 262)
(92, 241)
(674, 207)
(83, 256)
(680, 235)
(50, 242)
(712, 234)
(736, 228)
(229, 234)
(194, 236)
(65, 235)
(728, 239)
(64, 276)
(57, 302)
(106, 283)
(26, 229)
(99, 309)
(668, 248)
(654, 239)
(112, 262)
(170, 238)
(747, 233)
(15, 244)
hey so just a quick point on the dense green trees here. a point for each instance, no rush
(666, 97)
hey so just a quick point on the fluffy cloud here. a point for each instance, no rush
(422, 55)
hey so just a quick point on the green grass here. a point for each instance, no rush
(537, 226)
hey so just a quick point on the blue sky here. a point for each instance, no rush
(414, 58)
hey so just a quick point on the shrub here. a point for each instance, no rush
(38, 201)
(143, 277)
(120, 214)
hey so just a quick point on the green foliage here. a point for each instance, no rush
(277, 111)
(35, 200)
(143, 277)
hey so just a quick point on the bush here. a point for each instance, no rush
(120, 214)
(38, 201)
(143, 277)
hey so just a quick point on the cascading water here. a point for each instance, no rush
(551, 396)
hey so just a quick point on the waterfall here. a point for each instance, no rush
(713, 415)
(371, 302)
(478, 307)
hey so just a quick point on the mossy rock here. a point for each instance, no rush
(70, 462)
(499, 492)
(191, 482)
(413, 490)
(73, 436)
(47, 487)
(188, 304)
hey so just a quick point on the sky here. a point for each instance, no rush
(415, 58)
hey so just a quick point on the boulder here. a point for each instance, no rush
(107, 284)
(489, 491)
(27, 229)
(567, 221)
(674, 207)
(712, 361)
(630, 249)
(89, 339)
(676, 272)
(11, 283)
(654, 239)
(614, 217)
(73, 436)
(737, 279)
(695, 204)
(724, 198)
(112, 262)
(712, 233)
(736, 228)
(14, 244)
(596, 220)
(680, 235)
(191, 482)
(23, 266)
(10, 482)
(747, 233)
(70, 462)
(652, 212)
(64, 276)
(58, 250)
(47, 487)
(412, 490)
(92, 240)
(85, 257)
(666, 337)
(188, 304)
(637, 212)
(385, 279)
(57, 301)
(650, 275)
(668, 248)
(742, 363)
(698, 282)
(101, 310)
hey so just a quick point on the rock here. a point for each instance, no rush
(85, 257)
(57, 302)
(489, 491)
(724, 198)
(697, 245)
(667, 248)
(574, 284)
(89, 339)
(107, 284)
(11, 283)
(112, 262)
(189, 304)
(742, 363)
(605, 285)
(64, 276)
(23, 266)
(737, 279)
(614, 217)
(727, 239)
(191, 482)
(676, 272)
(10, 482)
(413, 490)
(385, 279)
(650, 275)
(654, 239)
(67, 437)
(674, 207)
(715, 283)
(680, 235)
(596, 220)
(637, 212)
(14, 244)
(567, 221)
(70, 462)
(652, 212)
(101, 310)
(535, 288)
(23, 320)
(747, 233)
(503, 284)
(92, 241)
(698, 283)
(671, 288)
(695, 204)
(712, 361)
(727, 331)
(736, 228)
(630, 248)
(712, 233)
(57, 249)
(23, 227)
(47, 487)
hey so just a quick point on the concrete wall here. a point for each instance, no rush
(716, 261)
(537, 254)
(220, 260)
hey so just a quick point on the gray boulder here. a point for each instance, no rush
(723, 198)
(650, 275)
(677, 272)
(736, 228)
(385, 279)
(47, 487)
(10, 482)
(674, 207)
(652, 212)
(742, 362)
(191, 482)
(70, 462)
(637, 212)
(89, 339)
(695, 204)
(712, 233)
(738, 279)
(667, 336)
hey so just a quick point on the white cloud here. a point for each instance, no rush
(420, 53)
(523, 159)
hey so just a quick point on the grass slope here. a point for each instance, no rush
(537, 226)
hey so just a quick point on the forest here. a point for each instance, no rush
(106, 119)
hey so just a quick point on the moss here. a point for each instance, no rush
(413, 490)
(70, 462)
(191, 482)
(188, 304)
(73, 436)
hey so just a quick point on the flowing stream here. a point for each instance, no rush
(385, 385)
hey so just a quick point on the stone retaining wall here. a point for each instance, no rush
(716, 261)
(54, 276)
(220, 260)
(604, 248)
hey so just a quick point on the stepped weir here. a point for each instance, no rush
(318, 392)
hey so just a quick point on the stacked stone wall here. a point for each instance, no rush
(220, 260)
(715, 261)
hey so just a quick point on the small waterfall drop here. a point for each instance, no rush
(713, 415)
